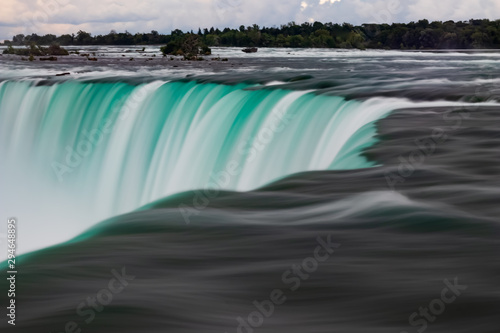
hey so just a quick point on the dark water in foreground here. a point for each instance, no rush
(410, 245)
(396, 249)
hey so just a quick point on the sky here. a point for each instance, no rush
(102, 16)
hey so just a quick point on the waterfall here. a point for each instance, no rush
(84, 151)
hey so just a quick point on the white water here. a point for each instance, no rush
(75, 153)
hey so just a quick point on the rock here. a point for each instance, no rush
(56, 50)
(250, 50)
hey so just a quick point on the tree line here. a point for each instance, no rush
(472, 34)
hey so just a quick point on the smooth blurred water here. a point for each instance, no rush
(397, 155)
(168, 130)
(109, 148)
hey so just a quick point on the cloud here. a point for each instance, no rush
(454, 10)
(100, 16)
(322, 2)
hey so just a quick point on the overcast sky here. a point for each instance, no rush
(100, 16)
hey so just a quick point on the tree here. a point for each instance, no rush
(414, 35)
(83, 37)
(18, 39)
(188, 45)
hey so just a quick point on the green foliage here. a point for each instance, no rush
(9, 50)
(37, 50)
(412, 36)
(187, 45)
